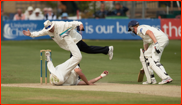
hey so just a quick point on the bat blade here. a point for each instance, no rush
(141, 75)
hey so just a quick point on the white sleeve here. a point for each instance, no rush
(39, 33)
(77, 66)
(143, 30)
(75, 23)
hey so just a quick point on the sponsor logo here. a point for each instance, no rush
(141, 30)
(172, 27)
(8, 32)
(13, 30)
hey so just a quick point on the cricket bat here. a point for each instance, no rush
(141, 75)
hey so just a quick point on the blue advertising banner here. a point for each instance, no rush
(115, 29)
(112, 28)
(13, 29)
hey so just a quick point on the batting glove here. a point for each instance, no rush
(157, 47)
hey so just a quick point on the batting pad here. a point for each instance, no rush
(147, 73)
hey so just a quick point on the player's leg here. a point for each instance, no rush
(92, 49)
(63, 70)
(148, 55)
(71, 63)
(156, 57)
(153, 65)
(95, 49)
(54, 77)
(148, 72)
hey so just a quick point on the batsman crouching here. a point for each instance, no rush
(151, 56)
(67, 73)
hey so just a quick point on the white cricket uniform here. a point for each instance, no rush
(160, 36)
(64, 73)
(61, 27)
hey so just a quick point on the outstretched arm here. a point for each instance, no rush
(26, 33)
(34, 34)
(105, 73)
(82, 76)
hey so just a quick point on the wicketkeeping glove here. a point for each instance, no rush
(157, 47)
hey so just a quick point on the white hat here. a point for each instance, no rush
(30, 8)
(37, 10)
(49, 9)
(48, 25)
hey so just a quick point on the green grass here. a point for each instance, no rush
(50, 96)
(20, 63)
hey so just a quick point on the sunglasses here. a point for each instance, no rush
(48, 27)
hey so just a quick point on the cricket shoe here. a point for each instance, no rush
(164, 81)
(170, 79)
(48, 55)
(153, 81)
(110, 52)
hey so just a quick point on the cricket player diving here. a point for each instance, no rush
(67, 73)
(154, 42)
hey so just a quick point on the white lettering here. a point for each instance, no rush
(97, 29)
(121, 29)
(111, 28)
(118, 28)
(104, 29)
(89, 28)
(165, 28)
(179, 31)
(170, 29)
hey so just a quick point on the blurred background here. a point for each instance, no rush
(113, 17)
(105, 24)
(87, 9)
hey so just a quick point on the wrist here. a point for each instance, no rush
(100, 76)
(156, 43)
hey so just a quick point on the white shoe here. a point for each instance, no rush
(145, 83)
(48, 55)
(170, 79)
(164, 81)
(110, 52)
(153, 81)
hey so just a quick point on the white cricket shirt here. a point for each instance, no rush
(159, 35)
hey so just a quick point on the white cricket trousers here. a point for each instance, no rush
(153, 56)
(63, 70)
(151, 53)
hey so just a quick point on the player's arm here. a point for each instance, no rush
(151, 35)
(34, 34)
(82, 76)
(156, 46)
(105, 73)
(76, 23)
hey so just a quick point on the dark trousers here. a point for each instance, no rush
(91, 49)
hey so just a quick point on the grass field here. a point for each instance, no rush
(20, 63)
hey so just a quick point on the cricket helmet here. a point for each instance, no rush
(131, 24)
